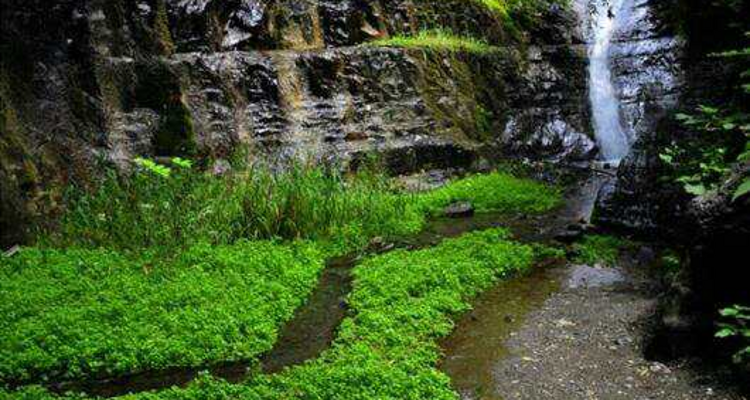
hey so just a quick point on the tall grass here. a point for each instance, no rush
(324, 204)
(151, 209)
(159, 209)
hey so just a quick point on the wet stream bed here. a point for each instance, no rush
(568, 331)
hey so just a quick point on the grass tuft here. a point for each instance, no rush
(435, 39)
(161, 209)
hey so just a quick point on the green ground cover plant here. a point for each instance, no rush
(599, 249)
(75, 313)
(494, 192)
(401, 305)
(435, 39)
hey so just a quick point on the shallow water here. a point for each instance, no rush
(472, 350)
(477, 344)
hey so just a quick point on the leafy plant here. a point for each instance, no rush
(599, 249)
(738, 326)
(401, 306)
(494, 192)
(702, 164)
(698, 166)
(153, 167)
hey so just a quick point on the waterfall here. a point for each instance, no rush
(612, 139)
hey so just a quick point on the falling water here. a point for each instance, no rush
(612, 138)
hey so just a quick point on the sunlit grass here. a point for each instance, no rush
(498, 6)
(436, 39)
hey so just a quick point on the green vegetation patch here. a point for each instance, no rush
(599, 249)
(174, 267)
(85, 313)
(494, 192)
(162, 209)
(435, 39)
(497, 6)
(402, 304)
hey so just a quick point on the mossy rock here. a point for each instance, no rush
(159, 89)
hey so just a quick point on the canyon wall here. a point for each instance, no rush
(87, 83)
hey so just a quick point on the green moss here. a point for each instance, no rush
(176, 135)
(164, 43)
(497, 6)
(435, 39)
(451, 91)
(483, 120)
(599, 249)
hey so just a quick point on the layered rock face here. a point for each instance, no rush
(89, 80)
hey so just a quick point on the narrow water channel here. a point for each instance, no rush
(477, 344)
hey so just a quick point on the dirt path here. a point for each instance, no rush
(583, 342)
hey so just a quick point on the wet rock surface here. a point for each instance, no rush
(459, 210)
(584, 276)
(648, 67)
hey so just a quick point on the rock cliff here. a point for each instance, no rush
(90, 81)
